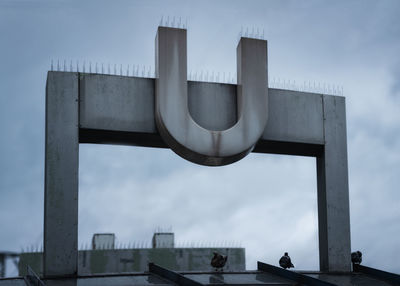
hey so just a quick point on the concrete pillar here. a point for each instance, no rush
(61, 175)
(333, 190)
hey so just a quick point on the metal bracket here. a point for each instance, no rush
(173, 276)
(32, 279)
(291, 275)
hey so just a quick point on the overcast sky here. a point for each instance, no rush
(266, 202)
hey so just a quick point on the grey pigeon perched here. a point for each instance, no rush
(356, 257)
(218, 261)
(285, 261)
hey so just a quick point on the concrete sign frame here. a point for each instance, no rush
(110, 109)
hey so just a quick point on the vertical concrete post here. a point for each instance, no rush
(61, 175)
(333, 190)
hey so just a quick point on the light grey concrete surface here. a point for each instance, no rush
(61, 175)
(333, 189)
(117, 103)
(174, 122)
(212, 105)
(293, 116)
(103, 261)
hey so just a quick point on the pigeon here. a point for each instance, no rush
(218, 261)
(285, 261)
(356, 257)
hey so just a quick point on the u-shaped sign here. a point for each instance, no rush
(174, 122)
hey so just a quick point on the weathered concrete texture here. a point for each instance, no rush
(61, 175)
(136, 260)
(118, 101)
(212, 105)
(293, 116)
(333, 189)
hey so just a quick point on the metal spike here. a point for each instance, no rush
(127, 70)
(115, 69)
(161, 22)
(120, 69)
(58, 65)
(84, 66)
(51, 66)
(65, 65)
(108, 68)
(102, 68)
(70, 66)
(173, 22)
(77, 66)
(96, 68)
(167, 22)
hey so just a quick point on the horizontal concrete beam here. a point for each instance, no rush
(110, 105)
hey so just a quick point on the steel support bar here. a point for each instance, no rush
(376, 273)
(294, 276)
(172, 276)
(32, 279)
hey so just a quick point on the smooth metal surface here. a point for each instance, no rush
(294, 276)
(61, 175)
(175, 277)
(244, 278)
(348, 279)
(175, 124)
(333, 190)
(376, 273)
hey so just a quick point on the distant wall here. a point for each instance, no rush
(136, 260)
